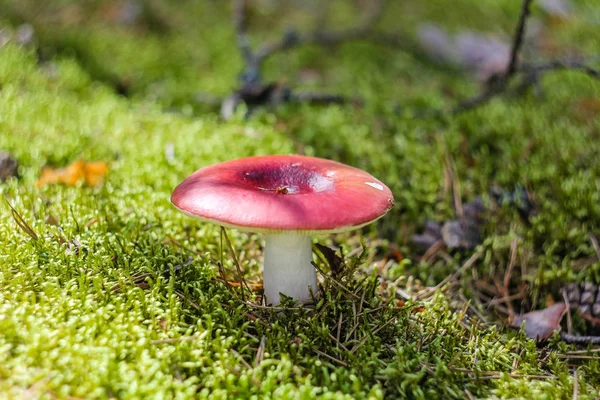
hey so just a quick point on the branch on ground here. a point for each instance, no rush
(254, 93)
(499, 84)
(581, 340)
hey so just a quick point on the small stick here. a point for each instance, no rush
(364, 339)
(583, 340)
(582, 351)
(569, 319)
(239, 356)
(237, 264)
(260, 353)
(555, 65)
(330, 357)
(575, 385)
(240, 24)
(339, 328)
(577, 357)
(344, 288)
(452, 277)
(518, 39)
(175, 340)
(511, 264)
(21, 222)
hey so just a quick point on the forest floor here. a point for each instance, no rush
(107, 291)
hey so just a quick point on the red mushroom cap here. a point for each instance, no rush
(283, 193)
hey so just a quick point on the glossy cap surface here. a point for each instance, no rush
(283, 193)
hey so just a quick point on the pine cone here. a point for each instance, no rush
(584, 298)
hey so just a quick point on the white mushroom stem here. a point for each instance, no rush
(287, 267)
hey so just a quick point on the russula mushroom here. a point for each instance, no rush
(290, 198)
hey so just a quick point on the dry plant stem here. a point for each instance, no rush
(575, 385)
(320, 98)
(330, 358)
(260, 353)
(338, 284)
(504, 289)
(556, 65)
(450, 278)
(237, 264)
(181, 246)
(569, 318)
(575, 352)
(518, 39)
(20, 221)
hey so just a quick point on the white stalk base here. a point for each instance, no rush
(287, 267)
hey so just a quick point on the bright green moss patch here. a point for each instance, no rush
(120, 297)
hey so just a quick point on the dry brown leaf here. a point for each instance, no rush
(541, 324)
(91, 173)
(94, 172)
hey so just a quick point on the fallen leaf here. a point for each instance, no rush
(90, 173)
(336, 263)
(541, 324)
(519, 198)
(431, 234)
(461, 233)
(9, 166)
(482, 54)
(94, 172)
(436, 42)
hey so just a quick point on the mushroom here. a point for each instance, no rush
(290, 198)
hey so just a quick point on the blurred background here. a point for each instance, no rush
(183, 54)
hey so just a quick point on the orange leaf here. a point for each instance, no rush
(94, 172)
(90, 173)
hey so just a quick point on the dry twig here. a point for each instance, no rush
(253, 92)
(500, 84)
(581, 340)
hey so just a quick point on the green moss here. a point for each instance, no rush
(76, 321)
